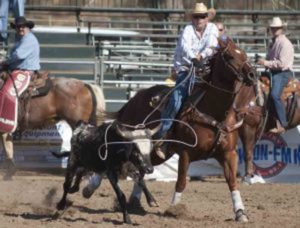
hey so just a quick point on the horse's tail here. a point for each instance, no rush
(111, 115)
(60, 154)
(100, 103)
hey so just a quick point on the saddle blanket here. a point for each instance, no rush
(9, 99)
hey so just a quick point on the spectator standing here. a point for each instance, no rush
(17, 7)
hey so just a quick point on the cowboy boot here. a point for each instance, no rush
(160, 149)
(278, 129)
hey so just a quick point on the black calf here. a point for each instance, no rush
(87, 143)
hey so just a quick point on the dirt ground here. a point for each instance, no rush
(29, 201)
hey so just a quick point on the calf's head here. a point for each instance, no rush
(143, 145)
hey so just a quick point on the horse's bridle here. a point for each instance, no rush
(238, 72)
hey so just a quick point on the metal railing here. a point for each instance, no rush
(175, 4)
(94, 63)
(79, 9)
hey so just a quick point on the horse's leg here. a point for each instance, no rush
(230, 163)
(113, 178)
(248, 138)
(183, 166)
(9, 164)
(94, 183)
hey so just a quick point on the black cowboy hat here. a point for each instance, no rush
(22, 21)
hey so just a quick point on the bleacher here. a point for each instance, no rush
(124, 55)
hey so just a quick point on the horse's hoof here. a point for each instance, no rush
(153, 204)
(253, 179)
(87, 192)
(240, 216)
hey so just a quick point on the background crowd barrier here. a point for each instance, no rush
(276, 158)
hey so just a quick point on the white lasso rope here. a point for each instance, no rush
(143, 124)
(165, 97)
(103, 158)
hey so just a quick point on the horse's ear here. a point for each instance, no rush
(230, 41)
(223, 40)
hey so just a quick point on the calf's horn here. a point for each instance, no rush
(124, 134)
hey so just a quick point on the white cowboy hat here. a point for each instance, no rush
(211, 13)
(200, 8)
(276, 23)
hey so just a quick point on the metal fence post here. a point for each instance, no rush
(101, 68)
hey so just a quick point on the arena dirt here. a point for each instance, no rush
(29, 201)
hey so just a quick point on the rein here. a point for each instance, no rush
(14, 84)
(221, 89)
(222, 129)
(237, 72)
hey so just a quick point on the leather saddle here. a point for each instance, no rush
(289, 95)
(40, 83)
(16, 90)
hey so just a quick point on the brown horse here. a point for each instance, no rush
(68, 99)
(212, 113)
(260, 119)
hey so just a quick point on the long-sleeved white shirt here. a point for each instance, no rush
(190, 44)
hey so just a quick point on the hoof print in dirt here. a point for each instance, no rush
(178, 211)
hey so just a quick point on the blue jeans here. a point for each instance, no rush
(279, 81)
(176, 99)
(17, 7)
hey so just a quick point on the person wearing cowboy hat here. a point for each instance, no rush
(25, 54)
(279, 61)
(196, 43)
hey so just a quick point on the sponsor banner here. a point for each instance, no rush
(276, 159)
(33, 149)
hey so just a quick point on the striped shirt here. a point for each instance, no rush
(190, 44)
(280, 54)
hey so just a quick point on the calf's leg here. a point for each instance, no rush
(113, 178)
(70, 173)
